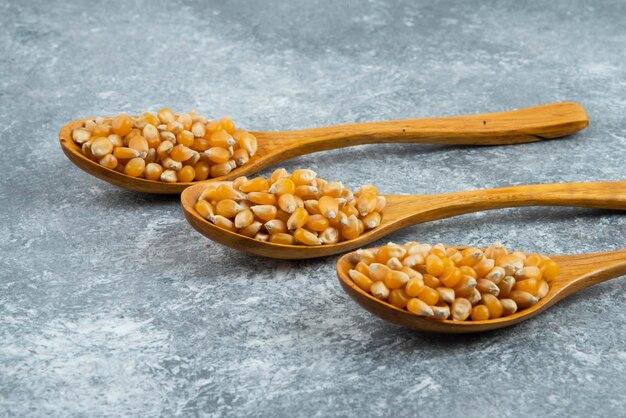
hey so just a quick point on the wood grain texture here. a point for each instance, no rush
(577, 272)
(502, 128)
(406, 210)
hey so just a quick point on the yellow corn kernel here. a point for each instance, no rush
(221, 139)
(395, 279)
(204, 208)
(339, 221)
(248, 142)
(510, 263)
(251, 230)
(282, 186)
(298, 219)
(80, 136)
(175, 127)
(101, 130)
(496, 251)
(135, 167)
(240, 156)
(543, 289)
(429, 295)
(520, 255)
(366, 256)
(381, 202)
(431, 281)
(549, 270)
(261, 198)
(388, 251)
(529, 272)
(493, 304)
(439, 250)
(361, 280)
(394, 264)
(100, 147)
(350, 211)
(258, 184)
(533, 260)
(366, 203)
(200, 145)
(379, 290)
(466, 286)
(264, 212)
(333, 189)
(446, 294)
(140, 144)
(372, 220)
(181, 153)
(153, 171)
(279, 173)
(108, 161)
(275, 226)
(398, 298)
(450, 276)
(302, 177)
(184, 138)
(440, 311)
(223, 222)
(151, 157)
(351, 230)
(378, 271)
(419, 307)
(151, 133)
(328, 206)
(505, 286)
(187, 120)
(260, 236)
(468, 271)
(202, 169)
(165, 115)
(413, 260)
(496, 275)
(171, 164)
(509, 307)
(523, 299)
(287, 203)
(362, 268)
(169, 176)
(217, 155)
(186, 174)
(244, 218)
(484, 266)
(414, 286)
(368, 189)
(227, 208)
(282, 238)
(312, 206)
(306, 237)
(480, 313)
(317, 223)
(219, 170)
(434, 265)
(122, 125)
(528, 285)
(471, 256)
(475, 297)
(461, 309)
(163, 150)
(209, 193)
(306, 192)
(224, 191)
(487, 286)
(329, 236)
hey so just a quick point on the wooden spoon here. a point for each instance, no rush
(576, 273)
(406, 210)
(513, 127)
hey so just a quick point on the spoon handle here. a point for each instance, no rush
(512, 127)
(591, 269)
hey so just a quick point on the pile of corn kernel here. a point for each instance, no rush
(167, 147)
(296, 208)
(442, 282)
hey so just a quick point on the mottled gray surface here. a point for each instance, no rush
(110, 304)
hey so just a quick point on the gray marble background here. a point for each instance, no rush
(111, 304)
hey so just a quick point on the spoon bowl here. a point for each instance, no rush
(576, 273)
(512, 127)
(406, 210)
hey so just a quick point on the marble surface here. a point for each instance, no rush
(111, 304)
